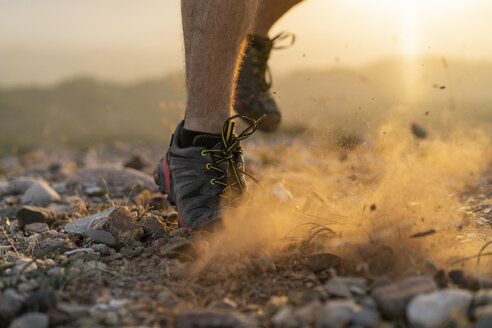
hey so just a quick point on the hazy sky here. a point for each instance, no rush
(44, 41)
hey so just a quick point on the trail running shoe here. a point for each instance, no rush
(201, 181)
(253, 97)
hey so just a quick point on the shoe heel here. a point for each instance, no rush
(163, 179)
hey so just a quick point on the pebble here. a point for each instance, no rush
(167, 298)
(344, 287)
(439, 307)
(21, 184)
(212, 318)
(42, 300)
(31, 320)
(40, 194)
(13, 227)
(112, 319)
(49, 243)
(323, 261)
(37, 227)
(482, 297)
(102, 248)
(392, 299)
(12, 301)
(336, 314)
(265, 263)
(31, 214)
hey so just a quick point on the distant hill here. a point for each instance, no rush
(82, 111)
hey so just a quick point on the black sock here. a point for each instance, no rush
(189, 138)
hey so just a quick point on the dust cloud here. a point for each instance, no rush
(388, 203)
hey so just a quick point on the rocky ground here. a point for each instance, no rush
(85, 245)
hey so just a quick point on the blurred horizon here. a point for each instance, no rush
(125, 41)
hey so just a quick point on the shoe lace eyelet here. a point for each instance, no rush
(207, 166)
(204, 153)
(212, 182)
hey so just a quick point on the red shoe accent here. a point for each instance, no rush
(180, 218)
(167, 175)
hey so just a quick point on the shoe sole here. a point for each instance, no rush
(163, 179)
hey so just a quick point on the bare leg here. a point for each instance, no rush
(269, 11)
(214, 33)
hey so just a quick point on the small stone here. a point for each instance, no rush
(37, 227)
(126, 251)
(74, 310)
(323, 261)
(152, 227)
(12, 301)
(167, 298)
(265, 263)
(482, 312)
(439, 307)
(31, 320)
(102, 248)
(41, 301)
(225, 303)
(365, 317)
(112, 319)
(139, 250)
(458, 277)
(336, 314)
(135, 162)
(25, 287)
(482, 297)
(392, 299)
(418, 131)
(104, 237)
(212, 318)
(284, 318)
(40, 194)
(158, 203)
(306, 315)
(13, 227)
(8, 212)
(31, 214)
(21, 184)
(344, 287)
(49, 243)
(337, 289)
(11, 256)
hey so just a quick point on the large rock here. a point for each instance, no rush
(110, 177)
(49, 243)
(31, 320)
(32, 214)
(114, 227)
(392, 299)
(438, 308)
(40, 194)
